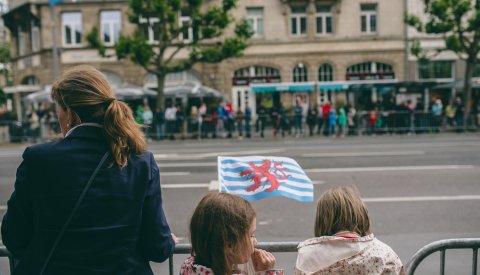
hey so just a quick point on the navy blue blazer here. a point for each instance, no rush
(119, 227)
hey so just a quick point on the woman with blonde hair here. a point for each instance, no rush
(89, 203)
(343, 243)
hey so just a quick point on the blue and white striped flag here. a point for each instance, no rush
(258, 177)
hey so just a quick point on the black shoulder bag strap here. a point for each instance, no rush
(75, 208)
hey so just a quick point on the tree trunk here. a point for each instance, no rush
(160, 91)
(467, 92)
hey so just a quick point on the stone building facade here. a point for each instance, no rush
(327, 44)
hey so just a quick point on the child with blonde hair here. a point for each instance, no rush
(343, 243)
(222, 232)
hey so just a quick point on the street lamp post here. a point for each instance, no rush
(4, 44)
(56, 65)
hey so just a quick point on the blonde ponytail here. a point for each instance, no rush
(122, 132)
(86, 92)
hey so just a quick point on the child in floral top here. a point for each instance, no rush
(344, 243)
(222, 232)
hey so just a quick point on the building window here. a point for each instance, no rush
(324, 19)
(476, 71)
(325, 72)
(72, 28)
(111, 26)
(435, 69)
(256, 74)
(255, 20)
(30, 80)
(21, 41)
(150, 27)
(370, 71)
(300, 73)
(35, 37)
(368, 18)
(298, 20)
(185, 22)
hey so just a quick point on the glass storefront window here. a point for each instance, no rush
(476, 71)
(435, 69)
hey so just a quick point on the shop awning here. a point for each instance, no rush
(332, 86)
(459, 84)
(126, 91)
(283, 87)
(384, 84)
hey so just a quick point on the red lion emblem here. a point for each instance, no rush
(258, 173)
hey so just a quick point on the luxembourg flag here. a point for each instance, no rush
(258, 177)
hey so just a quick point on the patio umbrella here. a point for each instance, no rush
(126, 91)
(190, 89)
(42, 96)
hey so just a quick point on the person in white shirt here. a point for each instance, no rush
(343, 243)
(170, 120)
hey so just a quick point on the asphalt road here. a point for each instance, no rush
(418, 188)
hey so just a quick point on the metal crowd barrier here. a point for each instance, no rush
(268, 246)
(442, 245)
(185, 249)
(5, 253)
(387, 122)
(416, 259)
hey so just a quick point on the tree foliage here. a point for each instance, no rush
(4, 59)
(207, 26)
(3, 96)
(5, 53)
(458, 23)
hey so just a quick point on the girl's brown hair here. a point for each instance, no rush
(86, 92)
(341, 209)
(220, 221)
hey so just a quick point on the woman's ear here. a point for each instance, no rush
(73, 118)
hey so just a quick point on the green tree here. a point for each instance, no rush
(5, 59)
(458, 22)
(206, 27)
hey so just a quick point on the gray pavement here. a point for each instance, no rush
(418, 188)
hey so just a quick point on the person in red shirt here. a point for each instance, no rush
(372, 122)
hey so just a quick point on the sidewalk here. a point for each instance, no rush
(269, 137)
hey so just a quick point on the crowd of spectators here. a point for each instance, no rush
(219, 120)
(331, 120)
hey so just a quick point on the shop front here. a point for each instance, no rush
(287, 94)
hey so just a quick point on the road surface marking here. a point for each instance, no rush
(213, 185)
(8, 155)
(389, 168)
(364, 154)
(429, 198)
(215, 154)
(328, 145)
(185, 185)
(166, 174)
(385, 199)
(187, 164)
